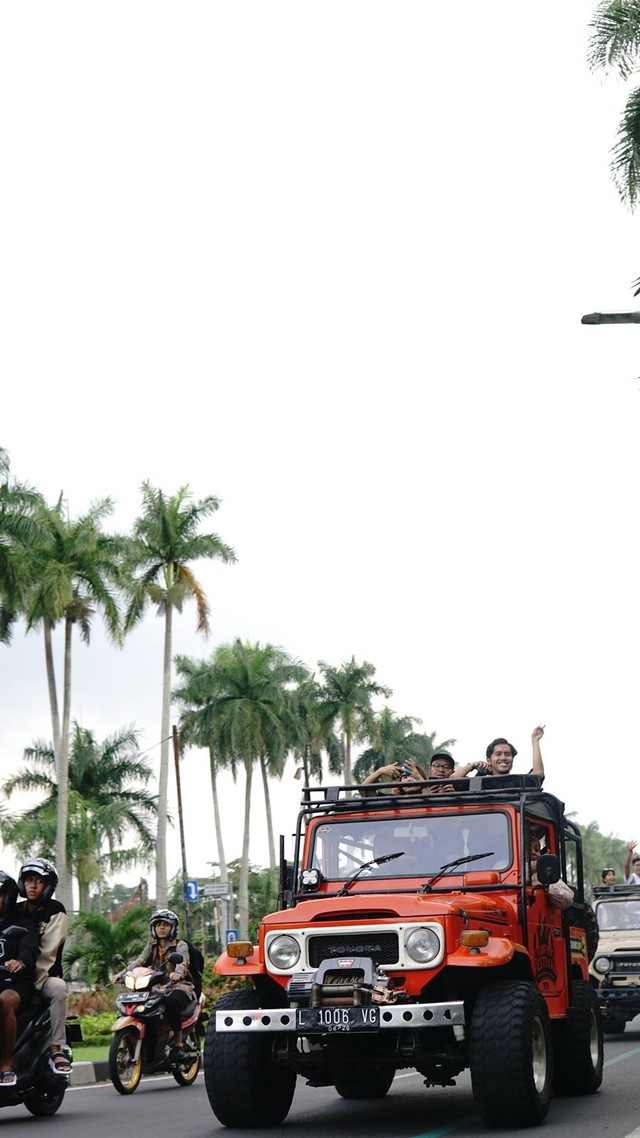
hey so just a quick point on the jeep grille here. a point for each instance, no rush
(381, 947)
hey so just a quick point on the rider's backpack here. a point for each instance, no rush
(196, 964)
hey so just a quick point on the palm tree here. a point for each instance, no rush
(312, 731)
(198, 677)
(165, 538)
(18, 532)
(615, 46)
(94, 940)
(74, 569)
(388, 735)
(106, 799)
(246, 720)
(347, 693)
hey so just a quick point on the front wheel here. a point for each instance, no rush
(245, 1087)
(510, 1054)
(578, 1044)
(125, 1071)
(43, 1103)
(186, 1072)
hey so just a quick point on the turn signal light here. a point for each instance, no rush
(239, 949)
(478, 938)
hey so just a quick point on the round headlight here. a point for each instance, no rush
(423, 945)
(601, 964)
(284, 952)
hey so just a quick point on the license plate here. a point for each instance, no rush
(137, 997)
(337, 1019)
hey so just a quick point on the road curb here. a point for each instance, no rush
(85, 1073)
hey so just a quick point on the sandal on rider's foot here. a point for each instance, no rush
(8, 1079)
(59, 1063)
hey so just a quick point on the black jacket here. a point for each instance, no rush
(19, 941)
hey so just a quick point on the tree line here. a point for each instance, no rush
(249, 705)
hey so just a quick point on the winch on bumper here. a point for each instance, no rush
(342, 997)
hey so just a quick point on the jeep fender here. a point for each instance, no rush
(498, 953)
(225, 965)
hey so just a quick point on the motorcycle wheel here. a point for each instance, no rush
(42, 1103)
(185, 1075)
(124, 1071)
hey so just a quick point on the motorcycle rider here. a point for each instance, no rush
(18, 951)
(37, 883)
(179, 990)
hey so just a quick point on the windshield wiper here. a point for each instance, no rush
(428, 885)
(374, 861)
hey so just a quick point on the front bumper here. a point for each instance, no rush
(623, 999)
(398, 1017)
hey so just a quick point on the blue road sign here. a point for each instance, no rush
(192, 890)
(231, 934)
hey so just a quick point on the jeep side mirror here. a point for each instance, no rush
(548, 869)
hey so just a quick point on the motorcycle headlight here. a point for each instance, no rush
(601, 964)
(284, 952)
(423, 945)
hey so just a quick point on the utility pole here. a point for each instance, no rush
(185, 892)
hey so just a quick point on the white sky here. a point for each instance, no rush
(328, 262)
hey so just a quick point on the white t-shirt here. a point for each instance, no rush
(633, 879)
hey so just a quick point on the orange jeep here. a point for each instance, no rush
(410, 934)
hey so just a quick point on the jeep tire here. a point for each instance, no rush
(578, 1044)
(511, 1055)
(245, 1087)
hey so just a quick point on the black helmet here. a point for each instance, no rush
(8, 892)
(42, 868)
(164, 915)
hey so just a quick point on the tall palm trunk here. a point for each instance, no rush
(65, 892)
(243, 890)
(267, 808)
(348, 778)
(163, 780)
(51, 684)
(222, 861)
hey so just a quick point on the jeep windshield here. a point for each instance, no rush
(616, 915)
(341, 846)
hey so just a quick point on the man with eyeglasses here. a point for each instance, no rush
(441, 767)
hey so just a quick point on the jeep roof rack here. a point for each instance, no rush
(616, 890)
(481, 788)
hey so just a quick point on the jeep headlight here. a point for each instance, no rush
(601, 964)
(422, 945)
(284, 952)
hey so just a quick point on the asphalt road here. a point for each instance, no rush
(160, 1108)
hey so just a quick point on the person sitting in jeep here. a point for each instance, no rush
(500, 755)
(405, 774)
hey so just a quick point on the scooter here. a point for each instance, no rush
(37, 1087)
(142, 1039)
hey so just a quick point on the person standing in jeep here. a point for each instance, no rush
(500, 755)
(632, 876)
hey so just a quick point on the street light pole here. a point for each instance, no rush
(611, 318)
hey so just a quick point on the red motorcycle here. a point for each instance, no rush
(143, 1039)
